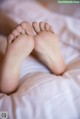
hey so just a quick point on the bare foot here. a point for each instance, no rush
(47, 48)
(19, 46)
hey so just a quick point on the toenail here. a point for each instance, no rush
(47, 26)
(51, 29)
(41, 24)
(19, 28)
(15, 32)
(34, 23)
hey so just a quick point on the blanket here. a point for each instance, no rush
(42, 95)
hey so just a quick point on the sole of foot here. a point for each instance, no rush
(47, 48)
(20, 44)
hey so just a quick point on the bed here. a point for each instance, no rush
(43, 95)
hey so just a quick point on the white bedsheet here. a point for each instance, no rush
(43, 95)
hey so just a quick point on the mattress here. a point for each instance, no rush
(42, 95)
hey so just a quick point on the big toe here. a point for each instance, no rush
(36, 27)
(42, 26)
(28, 28)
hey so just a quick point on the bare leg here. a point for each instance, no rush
(19, 46)
(6, 24)
(47, 48)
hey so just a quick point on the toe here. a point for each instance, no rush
(10, 38)
(15, 33)
(19, 29)
(41, 25)
(36, 27)
(27, 28)
(51, 29)
(47, 27)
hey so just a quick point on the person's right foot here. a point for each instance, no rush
(19, 46)
(47, 48)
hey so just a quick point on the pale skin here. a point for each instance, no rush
(39, 39)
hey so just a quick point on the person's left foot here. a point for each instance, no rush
(47, 48)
